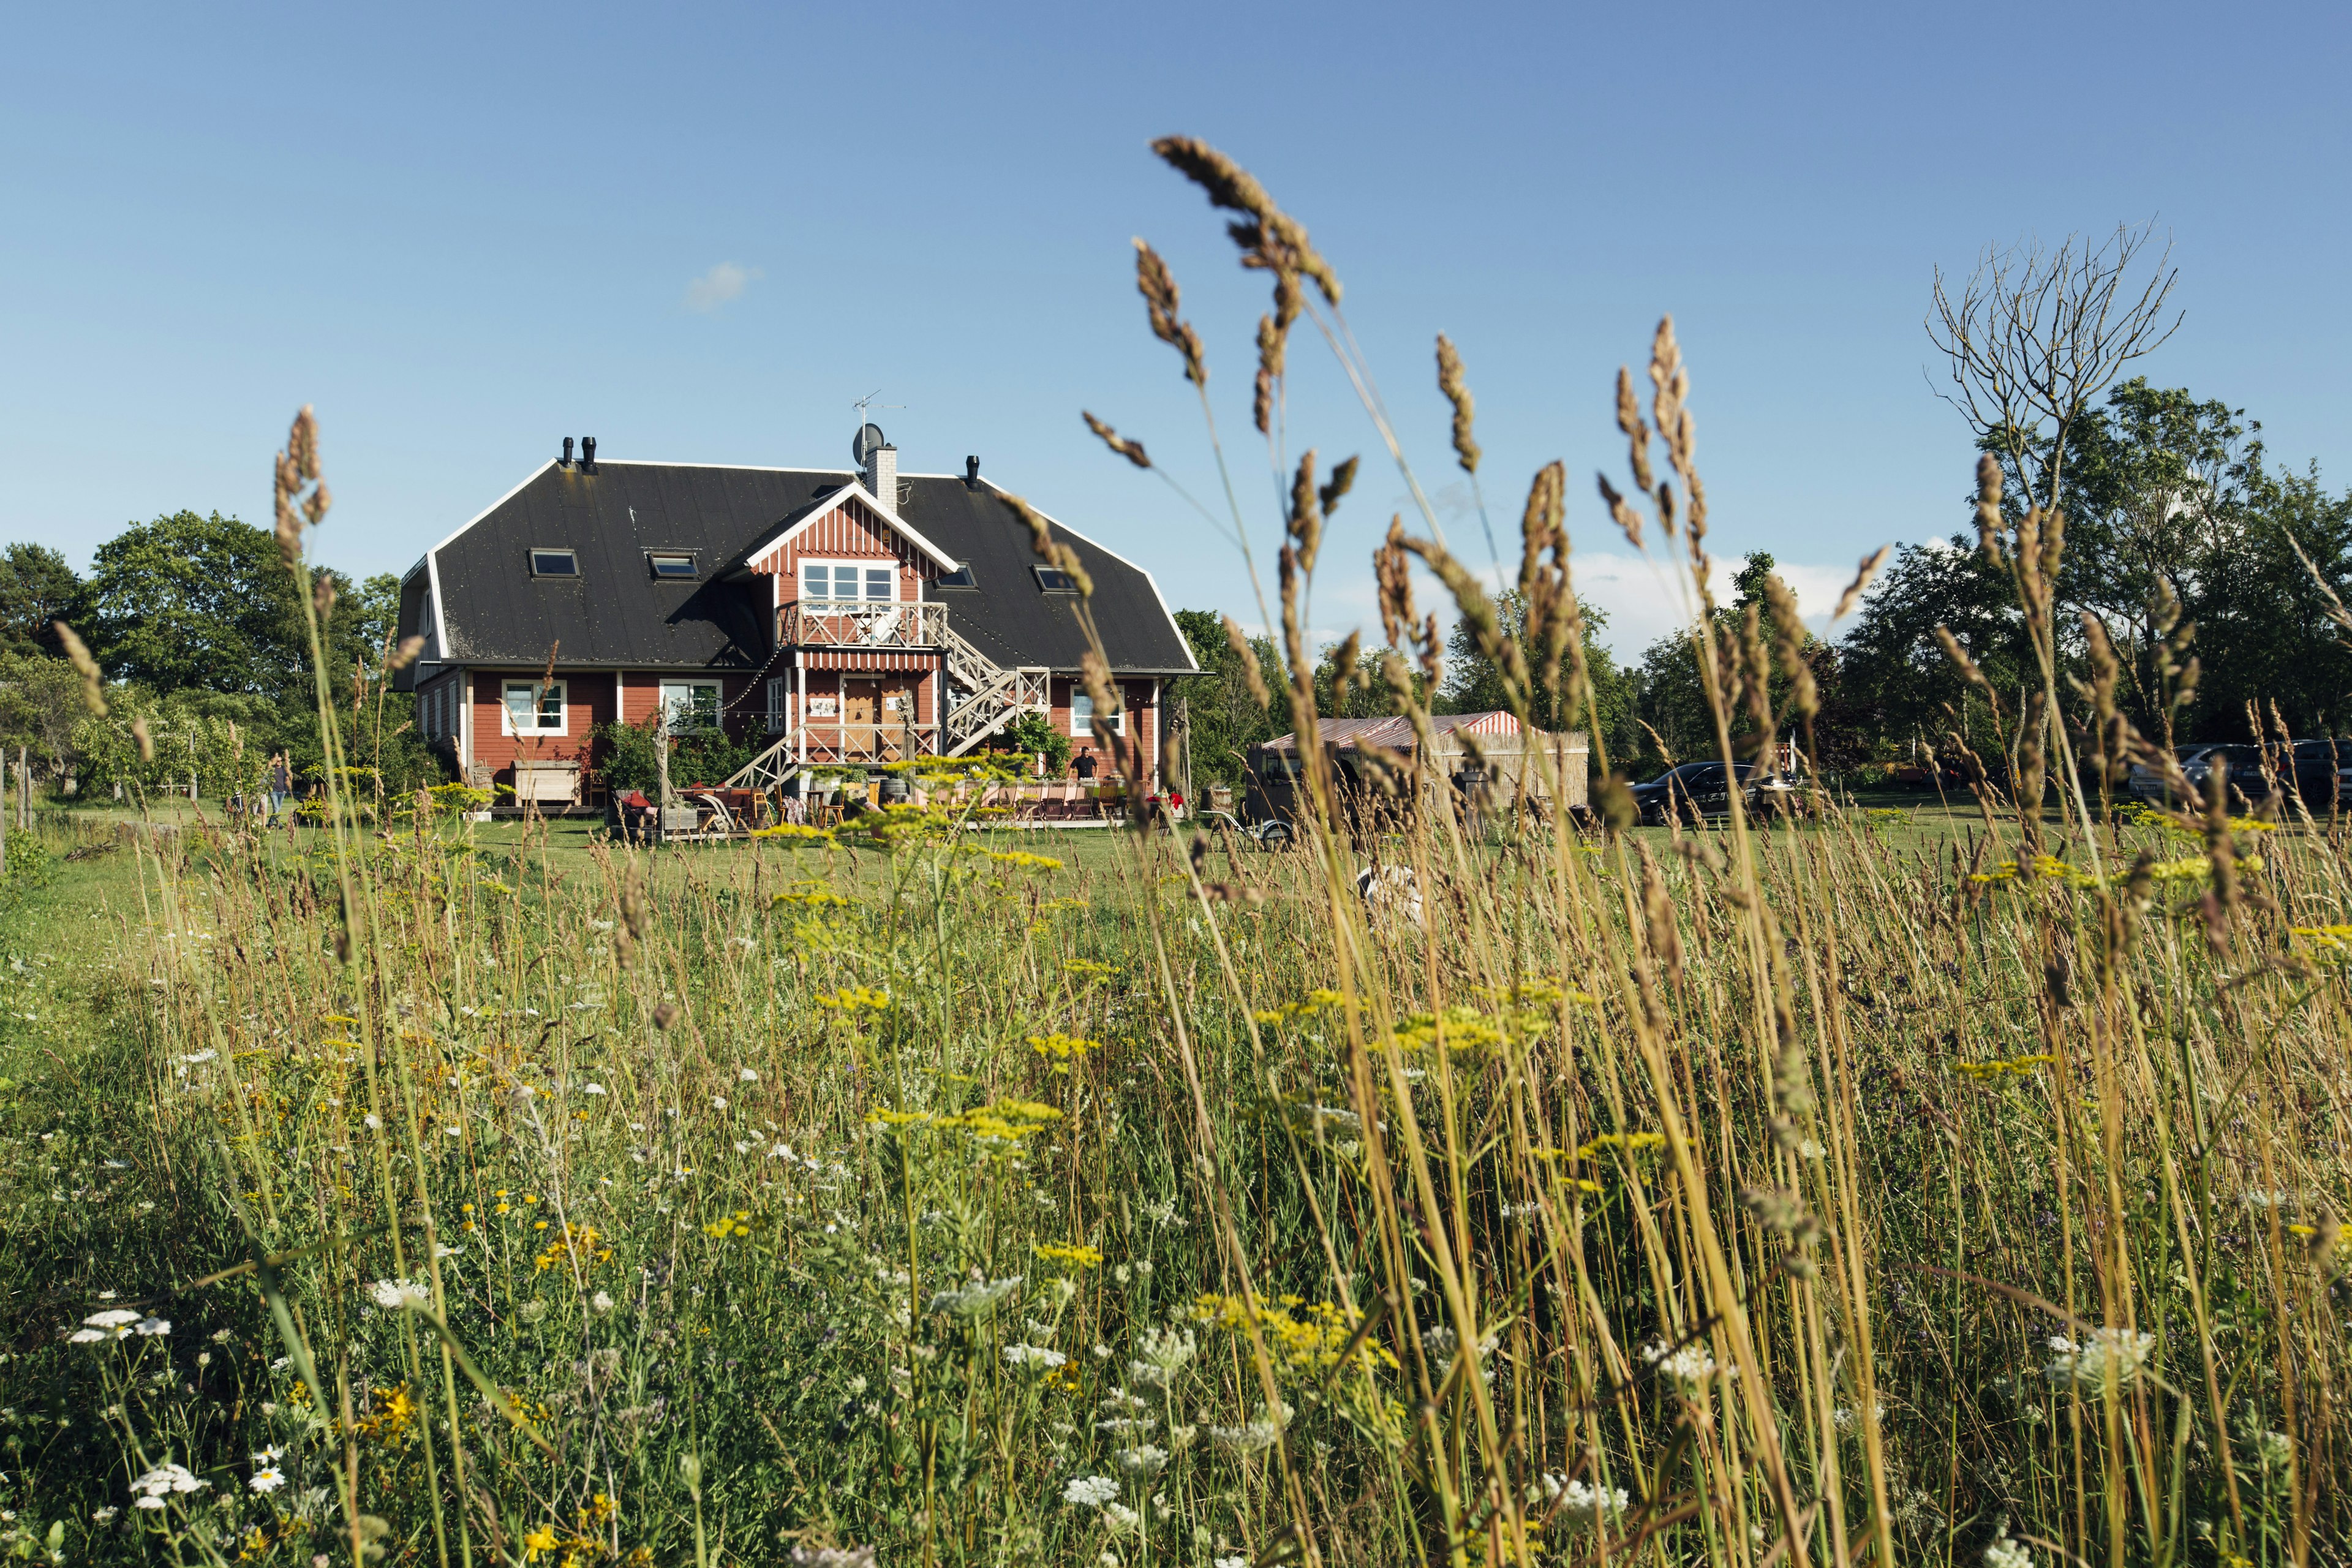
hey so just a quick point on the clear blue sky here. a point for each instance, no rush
(464, 233)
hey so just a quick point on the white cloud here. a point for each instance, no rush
(1648, 599)
(721, 284)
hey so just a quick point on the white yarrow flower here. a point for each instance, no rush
(1691, 1366)
(1578, 1502)
(1162, 1354)
(1089, 1491)
(2007, 1553)
(1039, 1356)
(393, 1294)
(745, 1075)
(163, 1481)
(593, 1088)
(2103, 1355)
(971, 1300)
(1146, 1460)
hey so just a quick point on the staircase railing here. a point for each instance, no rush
(995, 695)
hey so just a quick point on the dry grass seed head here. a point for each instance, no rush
(1271, 239)
(1989, 525)
(1622, 511)
(1392, 569)
(1670, 400)
(1342, 480)
(1306, 520)
(1637, 433)
(1479, 610)
(1458, 392)
(1160, 298)
(1048, 549)
(1343, 669)
(1131, 450)
(1861, 583)
(1252, 677)
(93, 679)
(1658, 916)
(1789, 636)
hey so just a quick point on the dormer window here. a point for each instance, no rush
(554, 564)
(846, 580)
(673, 564)
(1053, 580)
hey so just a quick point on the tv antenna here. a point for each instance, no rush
(870, 435)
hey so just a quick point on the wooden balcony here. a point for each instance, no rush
(860, 624)
(837, 740)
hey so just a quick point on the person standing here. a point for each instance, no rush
(1085, 766)
(280, 775)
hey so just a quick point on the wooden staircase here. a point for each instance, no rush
(993, 697)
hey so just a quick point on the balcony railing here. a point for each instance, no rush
(827, 739)
(860, 623)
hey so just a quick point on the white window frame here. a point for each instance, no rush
(668, 694)
(551, 689)
(862, 565)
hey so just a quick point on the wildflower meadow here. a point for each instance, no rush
(1843, 1185)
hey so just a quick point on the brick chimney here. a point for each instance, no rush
(882, 474)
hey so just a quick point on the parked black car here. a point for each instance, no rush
(2321, 774)
(1704, 789)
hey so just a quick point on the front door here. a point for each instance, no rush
(861, 696)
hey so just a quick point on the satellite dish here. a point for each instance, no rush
(863, 445)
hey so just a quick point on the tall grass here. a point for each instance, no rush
(1795, 1192)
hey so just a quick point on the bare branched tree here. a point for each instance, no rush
(2036, 334)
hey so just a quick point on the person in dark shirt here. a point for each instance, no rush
(1085, 766)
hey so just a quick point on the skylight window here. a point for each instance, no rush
(554, 564)
(672, 564)
(1053, 580)
(959, 578)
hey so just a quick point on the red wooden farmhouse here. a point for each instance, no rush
(847, 617)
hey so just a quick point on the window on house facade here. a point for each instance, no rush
(671, 563)
(554, 564)
(689, 705)
(1084, 720)
(849, 580)
(780, 697)
(534, 708)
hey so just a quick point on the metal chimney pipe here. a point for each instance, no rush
(566, 461)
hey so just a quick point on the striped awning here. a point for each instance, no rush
(871, 661)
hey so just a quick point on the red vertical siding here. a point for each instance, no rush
(847, 532)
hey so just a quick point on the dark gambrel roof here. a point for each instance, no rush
(1008, 617)
(616, 613)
